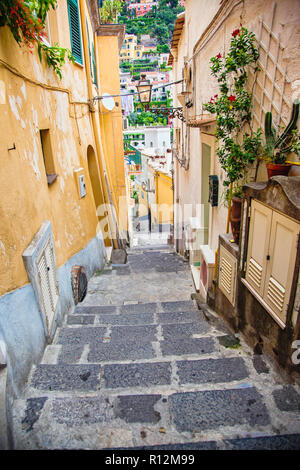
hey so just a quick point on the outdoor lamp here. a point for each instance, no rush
(144, 90)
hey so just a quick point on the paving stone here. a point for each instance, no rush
(170, 331)
(283, 442)
(199, 411)
(137, 408)
(81, 335)
(140, 332)
(81, 319)
(70, 353)
(33, 411)
(180, 317)
(260, 365)
(79, 411)
(287, 398)
(127, 319)
(66, 377)
(121, 350)
(187, 346)
(179, 306)
(139, 308)
(212, 370)
(137, 375)
(95, 310)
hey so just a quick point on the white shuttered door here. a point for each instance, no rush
(258, 246)
(280, 267)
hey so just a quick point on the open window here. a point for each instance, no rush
(48, 155)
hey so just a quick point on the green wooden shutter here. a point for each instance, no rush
(74, 21)
(94, 65)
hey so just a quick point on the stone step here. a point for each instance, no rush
(150, 420)
(151, 307)
(135, 318)
(92, 377)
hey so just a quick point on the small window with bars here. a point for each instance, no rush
(75, 33)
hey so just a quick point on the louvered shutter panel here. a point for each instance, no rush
(94, 65)
(74, 21)
(227, 274)
(258, 245)
(280, 267)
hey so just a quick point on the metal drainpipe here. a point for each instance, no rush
(99, 149)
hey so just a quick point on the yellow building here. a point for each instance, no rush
(61, 159)
(129, 48)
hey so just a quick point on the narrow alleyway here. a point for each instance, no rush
(137, 364)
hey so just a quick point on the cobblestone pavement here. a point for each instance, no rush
(138, 365)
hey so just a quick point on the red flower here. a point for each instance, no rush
(235, 32)
(231, 98)
(219, 56)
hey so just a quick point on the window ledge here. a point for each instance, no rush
(51, 178)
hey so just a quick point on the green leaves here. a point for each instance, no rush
(26, 21)
(232, 106)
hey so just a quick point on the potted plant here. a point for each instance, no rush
(277, 147)
(237, 149)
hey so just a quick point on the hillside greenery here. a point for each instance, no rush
(159, 23)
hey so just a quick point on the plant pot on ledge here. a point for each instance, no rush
(275, 169)
(235, 217)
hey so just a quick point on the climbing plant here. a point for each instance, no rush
(237, 149)
(26, 20)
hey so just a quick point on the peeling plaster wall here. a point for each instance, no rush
(21, 327)
(26, 199)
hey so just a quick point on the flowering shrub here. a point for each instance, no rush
(26, 20)
(232, 106)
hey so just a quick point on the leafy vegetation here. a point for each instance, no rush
(158, 23)
(237, 149)
(26, 20)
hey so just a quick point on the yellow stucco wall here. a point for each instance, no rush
(33, 98)
(111, 122)
(164, 198)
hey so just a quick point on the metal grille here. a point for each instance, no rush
(47, 276)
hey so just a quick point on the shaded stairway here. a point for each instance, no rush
(153, 372)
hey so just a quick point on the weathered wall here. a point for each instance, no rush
(33, 98)
(26, 198)
(206, 33)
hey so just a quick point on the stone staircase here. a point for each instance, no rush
(152, 375)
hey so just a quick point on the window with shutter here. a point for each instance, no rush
(75, 33)
(94, 65)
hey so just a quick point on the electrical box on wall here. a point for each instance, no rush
(82, 188)
(80, 182)
(213, 190)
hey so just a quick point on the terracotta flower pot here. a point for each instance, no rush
(235, 217)
(274, 169)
